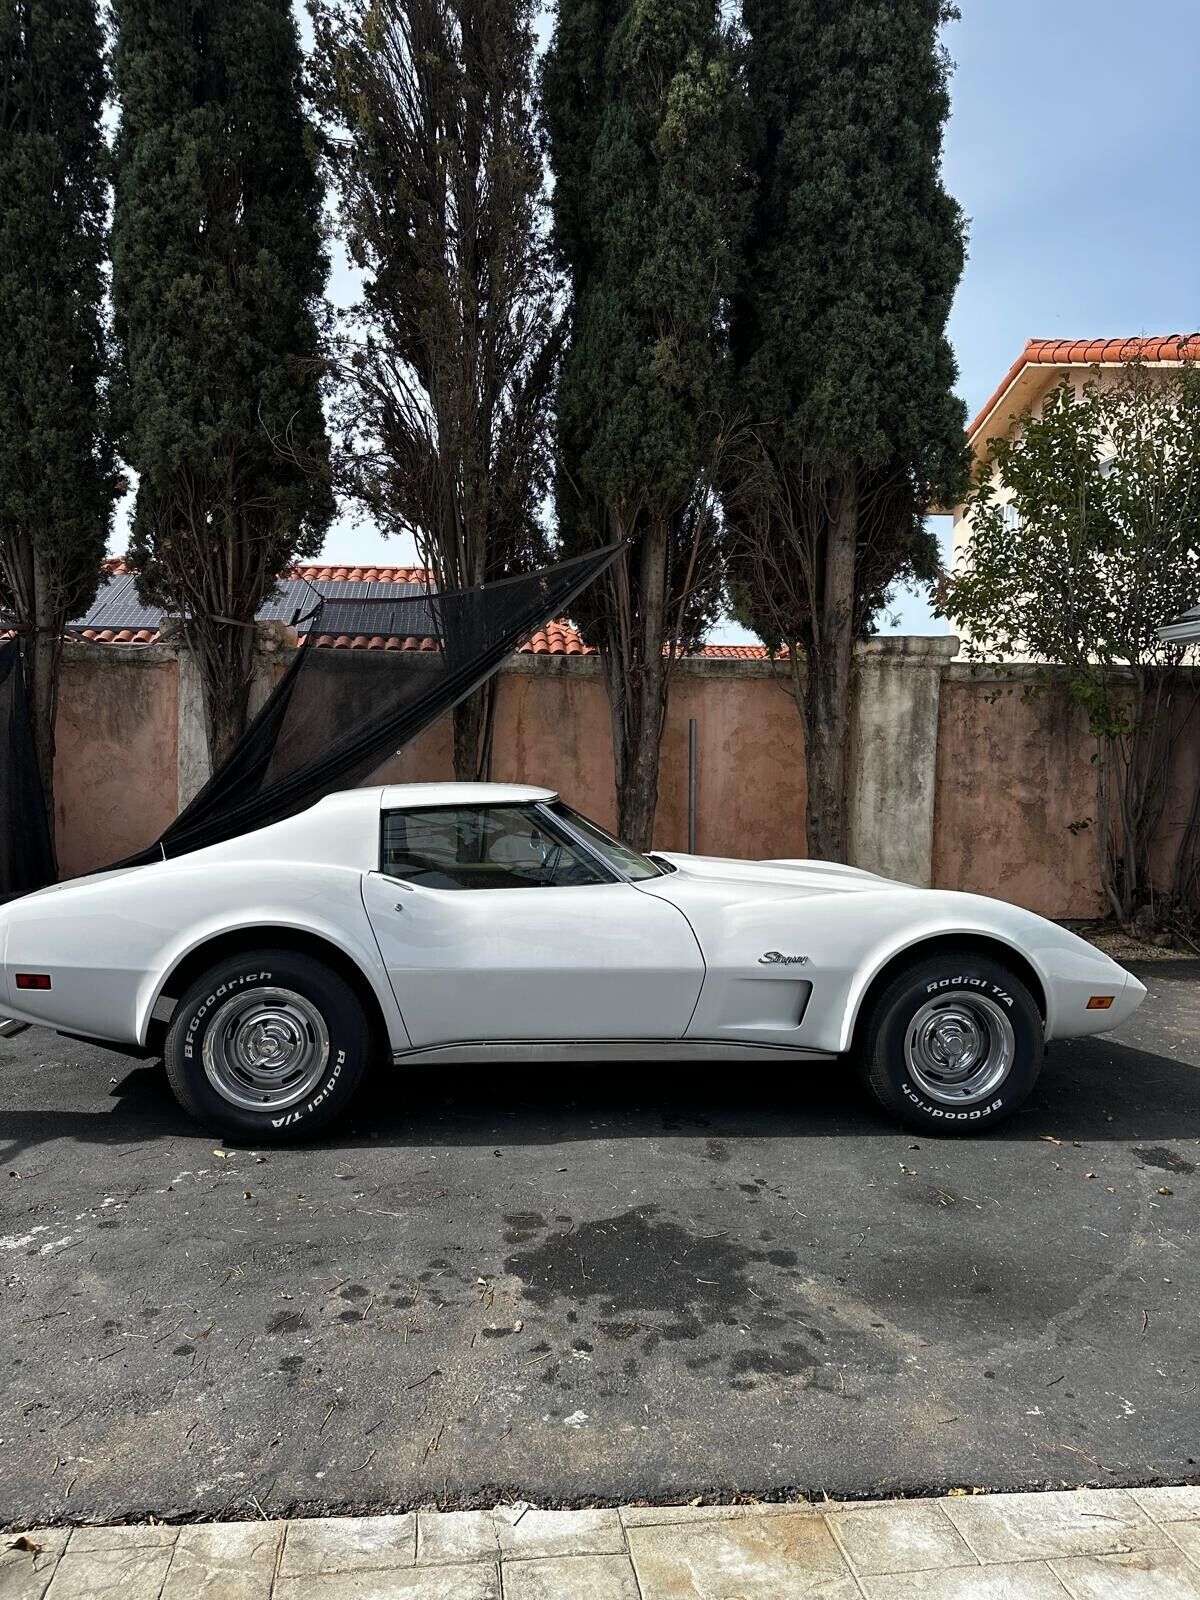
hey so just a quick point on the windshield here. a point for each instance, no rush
(630, 863)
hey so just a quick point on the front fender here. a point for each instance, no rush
(1068, 969)
(887, 950)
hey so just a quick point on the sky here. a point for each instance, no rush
(1072, 147)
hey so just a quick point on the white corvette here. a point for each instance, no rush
(448, 923)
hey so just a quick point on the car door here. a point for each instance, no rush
(494, 924)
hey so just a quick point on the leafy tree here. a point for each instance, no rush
(218, 271)
(642, 106)
(1085, 538)
(451, 355)
(851, 430)
(57, 482)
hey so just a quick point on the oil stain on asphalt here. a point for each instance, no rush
(642, 1273)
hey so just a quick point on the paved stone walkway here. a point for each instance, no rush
(1088, 1544)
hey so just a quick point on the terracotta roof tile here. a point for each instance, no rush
(118, 636)
(558, 639)
(738, 652)
(1087, 353)
(317, 573)
(362, 641)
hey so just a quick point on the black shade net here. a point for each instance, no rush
(337, 715)
(26, 853)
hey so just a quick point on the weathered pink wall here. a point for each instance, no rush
(751, 790)
(554, 729)
(1013, 770)
(115, 771)
(1181, 795)
(430, 759)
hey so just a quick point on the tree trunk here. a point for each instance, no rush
(226, 663)
(474, 718)
(827, 685)
(44, 658)
(637, 691)
(35, 599)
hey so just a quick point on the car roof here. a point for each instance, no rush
(406, 796)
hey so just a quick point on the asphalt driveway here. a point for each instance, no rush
(608, 1286)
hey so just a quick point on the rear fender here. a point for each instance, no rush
(355, 943)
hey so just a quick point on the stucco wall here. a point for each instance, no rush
(1184, 781)
(553, 728)
(1013, 771)
(961, 777)
(115, 766)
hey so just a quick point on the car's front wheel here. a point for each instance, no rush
(267, 1046)
(952, 1044)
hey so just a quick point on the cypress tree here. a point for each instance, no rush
(845, 374)
(642, 108)
(57, 482)
(218, 270)
(454, 344)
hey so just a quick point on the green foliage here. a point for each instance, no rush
(56, 466)
(218, 269)
(57, 479)
(1085, 529)
(642, 103)
(851, 262)
(1085, 539)
(844, 372)
(449, 359)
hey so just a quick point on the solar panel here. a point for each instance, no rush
(351, 606)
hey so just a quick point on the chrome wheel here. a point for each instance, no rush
(266, 1049)
(959, 1048)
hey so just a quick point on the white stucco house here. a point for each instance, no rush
(1039, 369)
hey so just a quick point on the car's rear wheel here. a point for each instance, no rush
(952, 1044)
(267, 1046)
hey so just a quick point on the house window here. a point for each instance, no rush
(1010, 518)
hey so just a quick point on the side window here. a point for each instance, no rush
(483, 847)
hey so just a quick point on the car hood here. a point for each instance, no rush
(765, 879)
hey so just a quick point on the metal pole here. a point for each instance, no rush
(691, 786)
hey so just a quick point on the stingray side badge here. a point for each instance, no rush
(776, 958)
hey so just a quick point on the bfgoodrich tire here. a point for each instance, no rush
(267, 1047)
(952, 1044)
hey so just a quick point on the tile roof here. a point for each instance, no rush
(118, 635)
(1089, 353)
(315, 573)
(362, 641)
(555, 639)
(558, 639)
(738, 652)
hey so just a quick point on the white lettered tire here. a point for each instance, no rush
(953, 1044)
(267, 1047)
